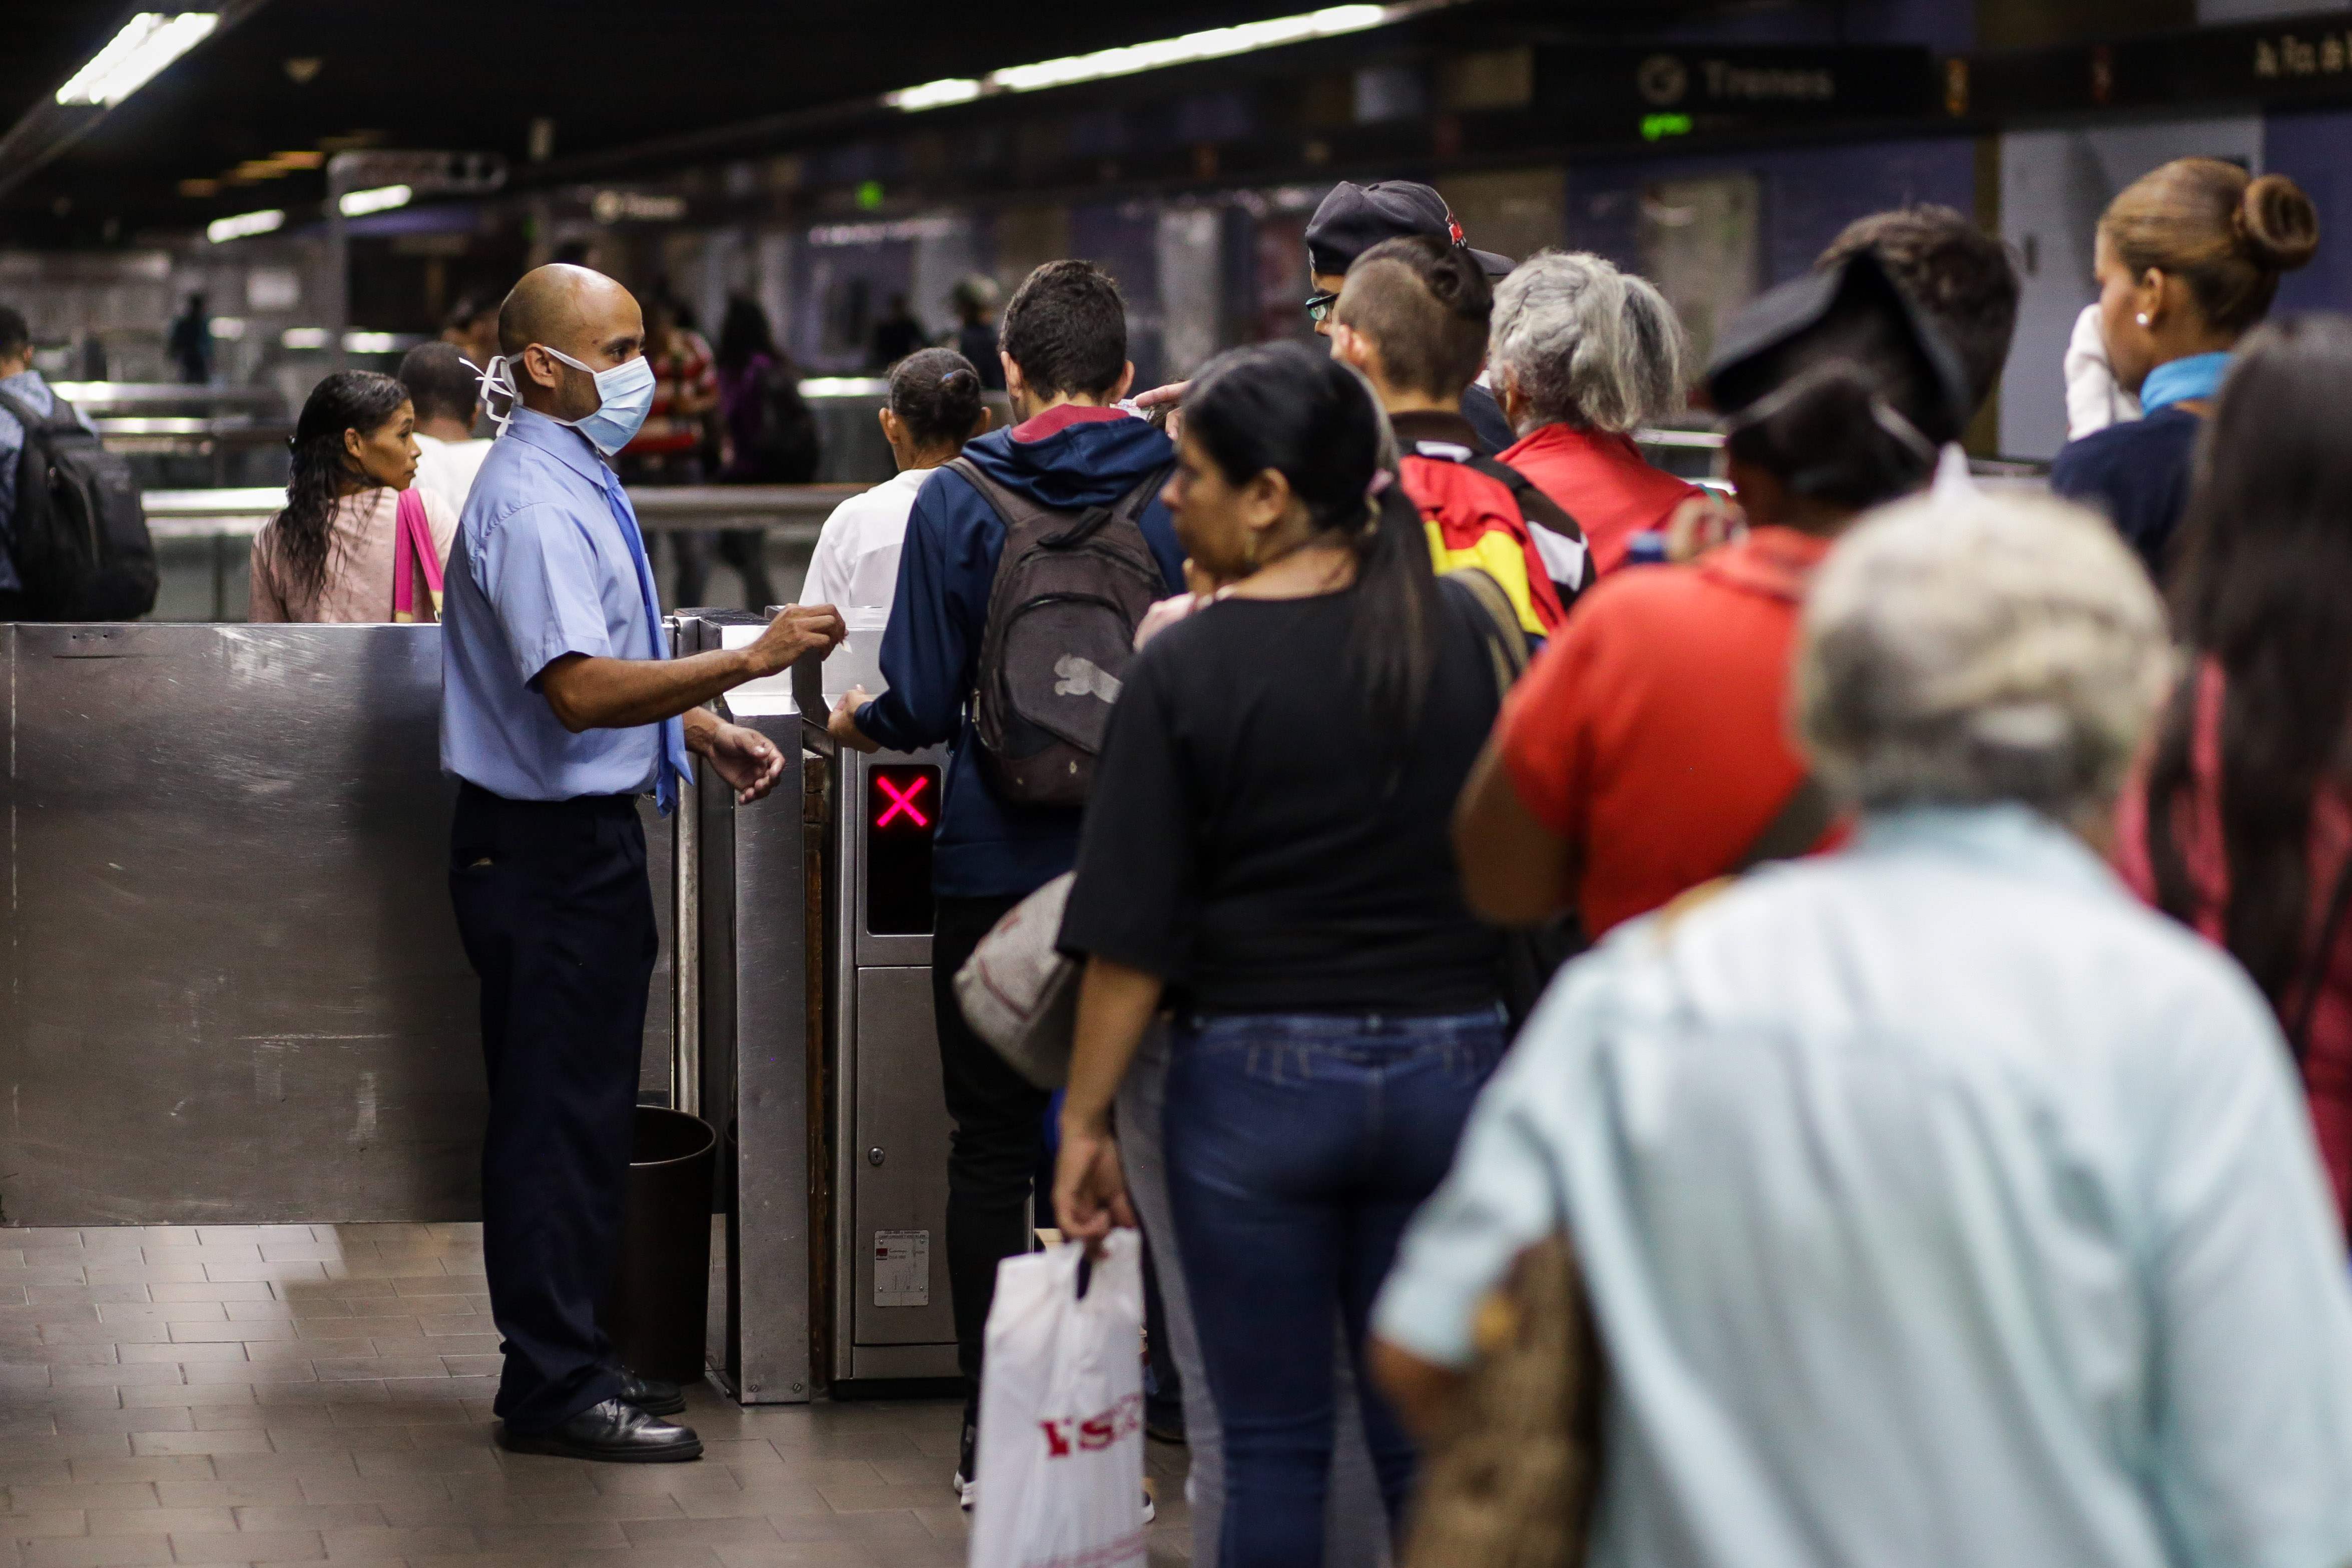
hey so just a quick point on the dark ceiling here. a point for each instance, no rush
(305, 75)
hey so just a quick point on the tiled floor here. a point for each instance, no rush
(290, 1394)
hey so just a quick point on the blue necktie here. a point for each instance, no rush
(675, 766)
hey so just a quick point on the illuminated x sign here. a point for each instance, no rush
(902, 797)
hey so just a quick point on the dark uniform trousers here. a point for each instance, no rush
(558, 920)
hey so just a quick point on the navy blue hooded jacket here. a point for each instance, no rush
(1069, 458)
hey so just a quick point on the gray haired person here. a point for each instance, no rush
(1937, 1203)
(1581, 356)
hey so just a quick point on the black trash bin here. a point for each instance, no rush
(656, 1314)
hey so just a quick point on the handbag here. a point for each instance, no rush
(412, 546)
(1511, 1480)
(1018, 991)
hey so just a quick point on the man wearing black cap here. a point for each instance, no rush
(1352, 219)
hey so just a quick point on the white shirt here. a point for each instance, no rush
(856, 564)
(446, 468)
(1939, 1205)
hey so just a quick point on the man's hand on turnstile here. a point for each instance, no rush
(797, 629)
(748, 760)
(843, 724)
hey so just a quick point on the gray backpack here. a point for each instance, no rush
(1071, 587)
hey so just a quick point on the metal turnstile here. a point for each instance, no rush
(891, 1317)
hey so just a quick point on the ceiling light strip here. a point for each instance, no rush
(1214, 44)
(147, 43)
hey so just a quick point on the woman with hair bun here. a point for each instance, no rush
(934, 407)
(2187, 261)
(330, 556)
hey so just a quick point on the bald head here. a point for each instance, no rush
(575, 311)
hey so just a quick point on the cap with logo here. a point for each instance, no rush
(1353, 218)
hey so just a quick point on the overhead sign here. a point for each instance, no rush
(1677, 92)
(425, 174)
(2299, 60)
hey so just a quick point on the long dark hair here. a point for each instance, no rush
(1313, 421)
(2267, 547)
(347, 400)
(744, 332)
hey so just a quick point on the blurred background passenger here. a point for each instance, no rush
(767, 433)
(2241, 825)
(20, 381)
(2188, 258)
(1647, 750)
(1265, 850)
(1937, 1203)
(1584, 354)
(670, 449)
(329, 554)
(934, 408)
(895, 335)
(446, 394)
(190, 342)
(472, 328)
(1412, 317)
(974, 300)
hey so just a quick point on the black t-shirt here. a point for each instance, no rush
(1255, 840)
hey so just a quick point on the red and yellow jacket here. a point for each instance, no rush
(1477, 518)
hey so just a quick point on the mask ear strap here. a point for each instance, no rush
(498, 382)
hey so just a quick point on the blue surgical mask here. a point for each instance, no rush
(625, 396)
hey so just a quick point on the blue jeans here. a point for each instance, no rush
(1297, 1148)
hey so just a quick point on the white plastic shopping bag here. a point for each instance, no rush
(1061, 1412)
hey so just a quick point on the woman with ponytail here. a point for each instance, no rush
(2189, 259)
(330, 555)
(1264, 853)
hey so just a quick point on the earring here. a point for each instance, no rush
(2141, 317)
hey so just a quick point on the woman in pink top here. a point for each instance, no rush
(329, 556)
(1581, 354)
(2241, 822)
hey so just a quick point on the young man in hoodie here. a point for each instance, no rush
(1063, 343)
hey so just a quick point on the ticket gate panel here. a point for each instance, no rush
(902, 1195)
(887, 1095)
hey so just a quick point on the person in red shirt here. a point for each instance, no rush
(1583, 355)
(2239, 820)
(1647, 750)
(1412, 317)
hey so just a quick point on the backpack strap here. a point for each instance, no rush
(1498, 627)
(1016, 510)
(1794, 829)
(37, 423)
(1012, 509)
(1541, 511)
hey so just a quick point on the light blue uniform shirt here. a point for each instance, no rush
(547, 561)
(1939, 1206)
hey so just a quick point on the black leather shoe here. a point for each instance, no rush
(613, 1431)
(653, 1395)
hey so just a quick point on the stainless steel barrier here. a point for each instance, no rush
(798, 510)
(233, 988)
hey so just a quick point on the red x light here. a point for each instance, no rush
(898, 798)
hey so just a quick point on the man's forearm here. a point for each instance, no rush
(621, 694)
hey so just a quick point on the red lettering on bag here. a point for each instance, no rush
(1094, 1433)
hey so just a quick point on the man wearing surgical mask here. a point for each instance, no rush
(560, 706)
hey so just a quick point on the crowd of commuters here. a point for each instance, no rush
(1949, 1107)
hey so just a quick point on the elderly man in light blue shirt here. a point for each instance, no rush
(560, 706)
(1938, 1205)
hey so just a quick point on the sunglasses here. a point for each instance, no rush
(1318, 306)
